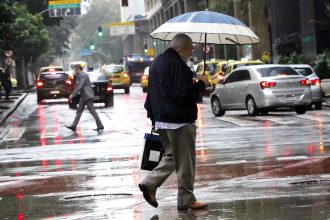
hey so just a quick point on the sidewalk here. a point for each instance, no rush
(7, 107)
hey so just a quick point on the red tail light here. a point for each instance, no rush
(265, 84)
(68, 81)
(40, 84)
(315, 82)
(305, 82)
(144, 77)
(109, 88)
(125, 75)
(220, 77)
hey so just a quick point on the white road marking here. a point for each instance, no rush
(14, 134)
(239, 121)
(50, 132)
(292, 158)
(276, 119)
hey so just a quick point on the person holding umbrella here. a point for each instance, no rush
(171, 106)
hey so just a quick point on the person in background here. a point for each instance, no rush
(171, 106)
(5, 79)
(84, 87)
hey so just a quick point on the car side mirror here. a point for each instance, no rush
(223, 69)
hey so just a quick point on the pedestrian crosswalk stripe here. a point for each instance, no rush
(50, 132)
(239, 121)
(312, 117)
(292, 158)
(14, 134)
(278, 120)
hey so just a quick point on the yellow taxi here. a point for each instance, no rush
(235, 64)
(210, 68)
(144, 79)
(118, 75)
(219, 72)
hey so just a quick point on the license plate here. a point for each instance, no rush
(55, 92)
(290, 98)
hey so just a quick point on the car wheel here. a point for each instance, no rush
(109, 102)
(216, 107)
(300, 109)
(318, 105)
(126, 90)
(251, 107)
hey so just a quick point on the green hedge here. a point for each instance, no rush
(321, 65)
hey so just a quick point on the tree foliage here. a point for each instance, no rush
(107, 48)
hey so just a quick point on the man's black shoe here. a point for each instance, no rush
(71, 127)
(99, 129)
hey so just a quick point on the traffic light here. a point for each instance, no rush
(92, 46)
(124, 3)
(99, 31)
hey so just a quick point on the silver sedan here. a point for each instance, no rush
(261, 88)
(307, 71)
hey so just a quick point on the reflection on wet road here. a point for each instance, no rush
(262, 167)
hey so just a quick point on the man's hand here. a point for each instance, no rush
(70, 98)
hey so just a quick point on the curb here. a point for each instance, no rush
(12, 108)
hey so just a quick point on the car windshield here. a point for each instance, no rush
(53, 75)
(305, 71)
(113, 69)
(97, 77)
(276, 71)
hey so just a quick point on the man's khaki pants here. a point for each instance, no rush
(180, 156)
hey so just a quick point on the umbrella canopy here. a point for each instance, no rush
(207, 27)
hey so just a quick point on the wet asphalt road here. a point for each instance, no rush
(264, 167)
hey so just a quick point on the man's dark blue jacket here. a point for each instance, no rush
(172, 94)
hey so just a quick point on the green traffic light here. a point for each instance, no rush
(92, 47)
(100, 34)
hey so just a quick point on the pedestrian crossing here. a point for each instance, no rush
(232, 120)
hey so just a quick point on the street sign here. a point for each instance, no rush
(122, 28)
(8, 53)
(63, 8)
(85, 52)
(8, 61)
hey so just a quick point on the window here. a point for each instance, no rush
(53, 75)
(276, 71)
(233, 77)
(304, 71)
(243, 75)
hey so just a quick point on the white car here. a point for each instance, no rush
(307, 71)
(260, 89)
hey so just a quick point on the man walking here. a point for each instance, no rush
(171, 106)
(83, 86)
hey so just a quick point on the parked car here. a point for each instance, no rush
(260, 89)
(145, 79)
(307, 71)
(236, 64)
(118, 75)
(103, 91)
(53, 84)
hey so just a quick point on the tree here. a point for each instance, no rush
(108, 48)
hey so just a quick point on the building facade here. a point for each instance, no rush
(283, 27)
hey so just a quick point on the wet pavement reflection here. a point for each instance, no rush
(264, 167)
